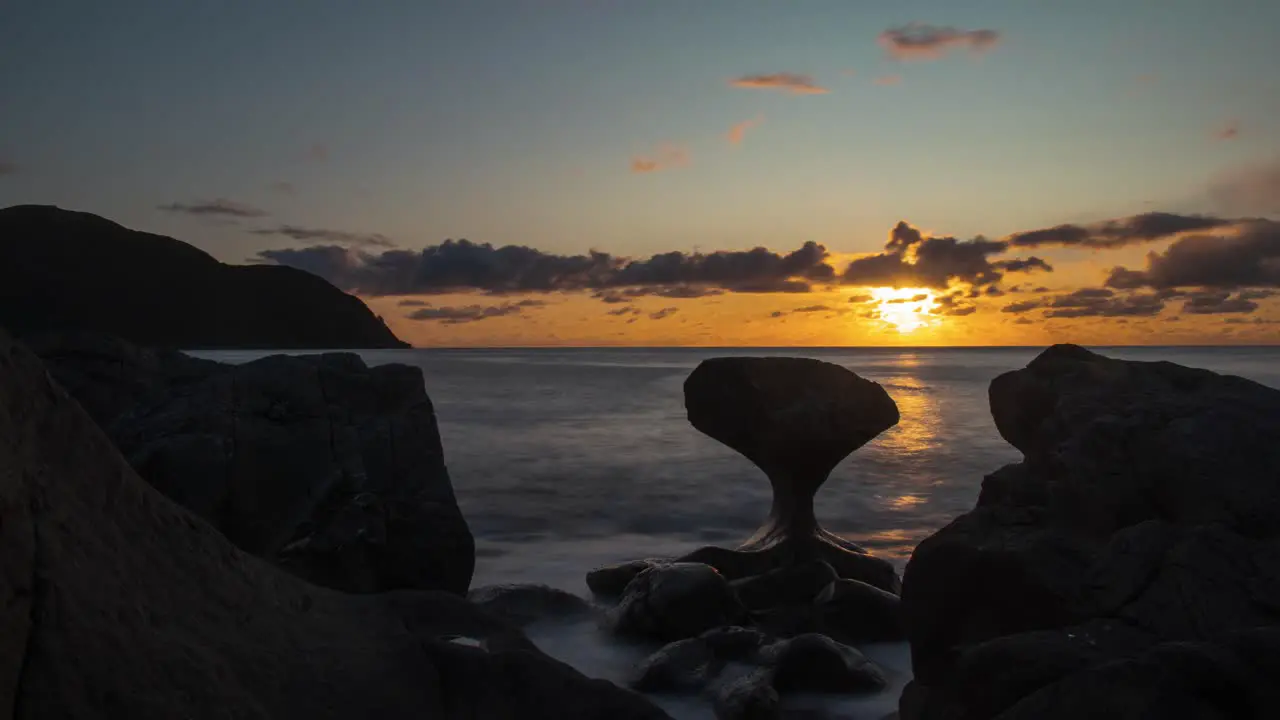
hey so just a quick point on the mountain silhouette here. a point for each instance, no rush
(62, 270)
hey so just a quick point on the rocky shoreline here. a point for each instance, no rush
(299, 551)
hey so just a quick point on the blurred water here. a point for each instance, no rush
(567, 459)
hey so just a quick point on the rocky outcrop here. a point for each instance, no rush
(796, 419)
(745, 671)
(72, 271)
(327, 467)
(675, 601)
(525, 604)
(116, 602)
(1126, 568)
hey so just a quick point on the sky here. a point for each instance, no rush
(612, 165)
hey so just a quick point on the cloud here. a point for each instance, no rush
(663, 313)
(1024, 321)
(1022, 306)
(338, 237)
(218, 207)
(961, 310)
(1230, 130)
(461, 266)
(284, 188)
(1133, 230)
(1087, 303)
(913, 299)
(888, 80)
(318, 152)
(1250, 257)
(628, 310)
(664, 157)
(910, 258)
(738, 132)
(1218, 303)
(471, 313)
(813, 309)
(7, 168)
(414, 303)
(861, 298)
(918, 41)
(1252, 189)
(793, 83)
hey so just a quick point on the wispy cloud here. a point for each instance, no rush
(7, 168)
(1132, 230)
(340, 237)
(1250, 189)
(793, 83)
(663, 313)
(738, 132)
(1230, 130)
(282, 187)
(664, 157)
(219, 207)
(451, 315)
(318, 152)
(888, 80)
(918, 41)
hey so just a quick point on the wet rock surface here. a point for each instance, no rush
(1125, 568)
(675, 601)
(329, 468)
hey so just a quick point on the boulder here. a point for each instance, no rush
(676, 601)
(1143, 520)
(749, 696)
(690, 665)
(610, 581)
(117, 602)
(525, 604)
(796, 419)
(855, 612)
(816, 663)
(796, 584)
(327, 467)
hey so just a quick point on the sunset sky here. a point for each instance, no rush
(862, 146)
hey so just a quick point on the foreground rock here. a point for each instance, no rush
(329, 468)
(525, 604)
(1126, 568)
(796, 419)
(64, 270)
(115, 602)
(745, 671)
(674, 601)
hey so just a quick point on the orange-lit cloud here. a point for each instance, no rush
(888, 80)
(738, 132)
(928, 42)
(664, 157)
(794, 83)
(1230, 130)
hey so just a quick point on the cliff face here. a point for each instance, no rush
(70, 271)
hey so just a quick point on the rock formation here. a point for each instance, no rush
(329, 468)
(62, 270)
(116, 602)
(1127, 567)
(802, 595)
(796, 419)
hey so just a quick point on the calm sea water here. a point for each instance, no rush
(566, 459)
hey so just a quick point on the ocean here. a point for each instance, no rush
(565, 459)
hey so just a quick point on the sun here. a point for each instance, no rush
(905, 309)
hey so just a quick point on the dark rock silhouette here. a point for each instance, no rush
(1126, 568)
(675, 601)
(525, 604)
(329, 468)
(795, 418)
(62, 270)
(118, 603)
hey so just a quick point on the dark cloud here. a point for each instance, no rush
(961, 310)
(1230, 130)
(1143, 228)
(793, 83)
(471, 313)
(628, 310)
(913, 299)
(337, 237)
(918, 41)
(219, 207)
(663, 313)
(1089, 303)
(1218, 303)
(777, 314)
(414, 303)
(861, 298)
(284, 188)
(1247, 258)
(1022, 306)
(813, 309)
(461, 266)
(1024, 321)
(1253, 189)
(910, 258)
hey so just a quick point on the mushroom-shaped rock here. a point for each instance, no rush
(795, 418)
(672, 602)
